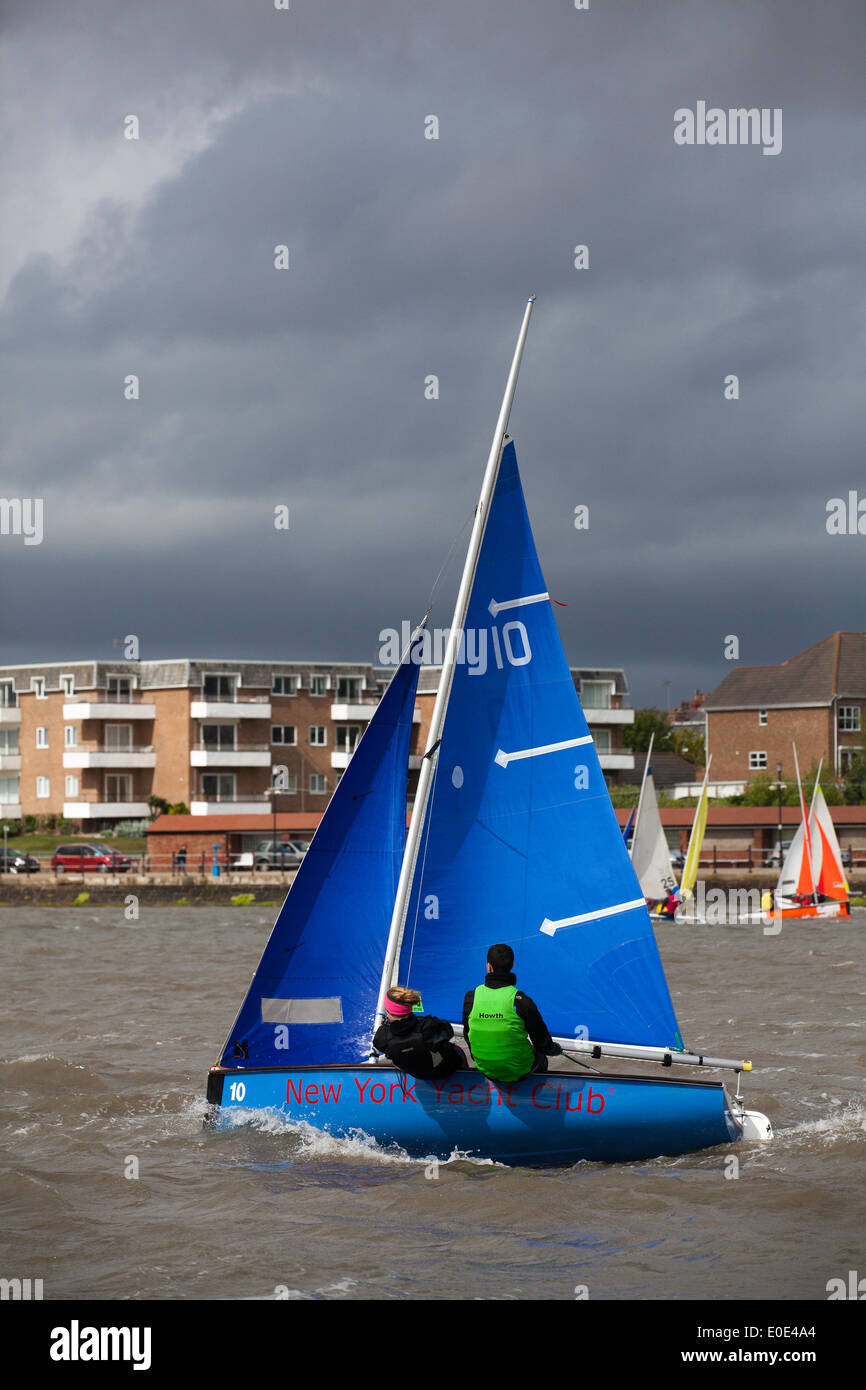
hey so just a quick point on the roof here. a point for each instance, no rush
(201, 825)
(668, 769)
(835, 666)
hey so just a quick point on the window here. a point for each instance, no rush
(72, 786)
(42, 737)
(218, 786)
(118, 786)
(37, 684)
(762, 716)
(118, 690)
(70, 736)
(846, 758)
(67, 685)
(318, 735)
(216, 737)
(220, 688)
(595, 694)
(285, 685)
(9, 792)
(601, 739)
(43, 786)
(349, 688)
(347, 737)
(757, 760)
(8, 740)
(288, 783)
(849, 719)
(8, 698)
(118, 738)
(318, 685)
(318, 783)
(283, 733)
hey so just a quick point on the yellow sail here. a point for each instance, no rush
(696, 839)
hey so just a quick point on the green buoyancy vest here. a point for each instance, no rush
(497, 1035)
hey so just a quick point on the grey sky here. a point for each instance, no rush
(410, 257)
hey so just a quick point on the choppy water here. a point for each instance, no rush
(108, 1031)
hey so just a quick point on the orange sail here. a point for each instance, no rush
(827, 857)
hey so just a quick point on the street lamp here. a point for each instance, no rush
(779, 784)
(273, 793)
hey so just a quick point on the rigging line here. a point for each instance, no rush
(420, 878)
(446, 562)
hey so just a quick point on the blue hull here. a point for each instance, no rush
(555, 1118)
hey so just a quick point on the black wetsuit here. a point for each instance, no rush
(419, 1045)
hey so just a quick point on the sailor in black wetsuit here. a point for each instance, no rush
(419, 1044)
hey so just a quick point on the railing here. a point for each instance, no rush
(238, 748)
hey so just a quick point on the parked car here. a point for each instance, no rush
(12, 861)
(270, 854)
(88, 858)
(772, 859)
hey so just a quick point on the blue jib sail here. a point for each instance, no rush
(521, 843)
(313, 996)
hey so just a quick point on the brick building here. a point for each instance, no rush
(92, 741)
(815, 699)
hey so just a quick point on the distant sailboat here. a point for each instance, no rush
(650, 854)
(512, 838)
(812, 881)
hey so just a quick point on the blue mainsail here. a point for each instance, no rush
(521, 843)
(313, 996)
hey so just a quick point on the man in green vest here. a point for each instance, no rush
(505, 1032)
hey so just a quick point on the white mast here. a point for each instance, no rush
(413, 839)
(806, 831)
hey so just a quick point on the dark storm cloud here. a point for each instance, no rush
(411, 257)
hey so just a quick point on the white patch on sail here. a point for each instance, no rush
(302, 1010)
(503, 759)
(549, 927)
(493, 607)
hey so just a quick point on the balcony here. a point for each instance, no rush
(108, 709)
(137, 756)
(612, 762)
(10, 810)
(341, 758)
(608, 716)
(363, 713)
(250, 755)
(258, 708)
(231, 806)
(10, 762)
(10, 714)
(106, 810)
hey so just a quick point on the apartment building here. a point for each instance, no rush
(92, 741)
(815, 699)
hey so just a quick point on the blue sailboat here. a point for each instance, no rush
(512, 838)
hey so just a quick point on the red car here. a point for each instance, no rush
(88, 859)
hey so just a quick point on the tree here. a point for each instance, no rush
(690, 745)
(647, 722)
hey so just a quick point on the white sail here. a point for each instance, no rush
(828, 873)
(650, 856)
